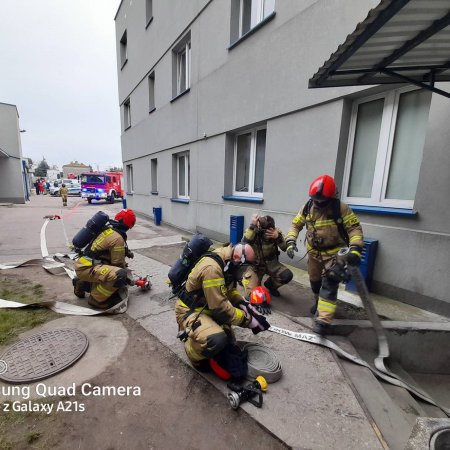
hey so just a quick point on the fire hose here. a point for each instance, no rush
(380, 369)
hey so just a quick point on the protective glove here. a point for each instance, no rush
(258, 323)
(354, 256)
(129, 254)
(292, 248)
(247, 307)
(263, 308)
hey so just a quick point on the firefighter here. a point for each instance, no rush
(103, 264)
(64, 192)
(265, 240)
(330, 226)
(210, 304)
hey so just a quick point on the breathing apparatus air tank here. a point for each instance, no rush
(93, 228)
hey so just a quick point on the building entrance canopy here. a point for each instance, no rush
(400, 41)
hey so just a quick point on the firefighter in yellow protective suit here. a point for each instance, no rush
(64, 192)
(265, 240)
(210, 304)
(330, 226)
(103, 265)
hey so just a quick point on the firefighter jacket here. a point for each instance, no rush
(207, 276)
(322, 233)
(265, 249)
(107, 248)
(64, 192)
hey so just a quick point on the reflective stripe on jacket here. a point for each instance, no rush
(322, 233)
(207, 275)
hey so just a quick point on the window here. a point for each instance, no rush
(130, 186)
(182, 66)
(126, 114)
(253, 12)
(249, 156)
(183, 172)
(123, 49)
(246, 15)
(151, 92)
(154, 175)
(387, 136)
(148, 12)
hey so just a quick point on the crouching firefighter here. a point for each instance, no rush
(101, 266)
(209, 304)
(330, 226)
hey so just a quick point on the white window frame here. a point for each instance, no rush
(384, 152)
(259, 13)
(130, 181)
(186, 50)
(186, 175)
(251, 176)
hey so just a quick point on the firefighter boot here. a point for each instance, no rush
(114, 300)
(325, 312)
(269, 284)
(313, 309)
(78, 287)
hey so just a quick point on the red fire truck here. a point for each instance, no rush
(101, 186)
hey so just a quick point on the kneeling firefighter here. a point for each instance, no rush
(101, 267)
(209, 303)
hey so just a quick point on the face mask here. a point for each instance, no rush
(321, 204)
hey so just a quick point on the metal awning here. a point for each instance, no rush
(400, 41)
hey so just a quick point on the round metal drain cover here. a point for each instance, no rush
(42, 355)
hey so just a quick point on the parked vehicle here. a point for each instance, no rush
(74, 189)
(102, 186)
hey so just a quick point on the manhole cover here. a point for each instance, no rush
(42, 355)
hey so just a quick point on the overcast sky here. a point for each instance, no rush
(58, 65)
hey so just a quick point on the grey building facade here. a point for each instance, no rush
(217, 120)
(13, 170)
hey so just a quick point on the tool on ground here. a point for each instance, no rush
(143, 282)
(247, 393)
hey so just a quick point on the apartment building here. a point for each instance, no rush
(217, 120)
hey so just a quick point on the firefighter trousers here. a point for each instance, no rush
(206, 338)
(102, 278)
(278, 273)
(324, 288)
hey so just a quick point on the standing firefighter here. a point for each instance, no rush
(209, 304)
(330, 226)
(103, 265)
(64, 192)
(265, 240)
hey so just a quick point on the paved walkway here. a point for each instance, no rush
(312, 406)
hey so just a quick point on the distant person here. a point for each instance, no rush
(36, 186)
(47, 187)
(64, 192)
(41, 187)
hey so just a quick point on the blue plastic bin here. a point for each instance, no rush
(236, 229)
(157, 215)
(367, 263)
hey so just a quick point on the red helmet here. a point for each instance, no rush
(259, 295)
(322, 188)
(127, 217)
